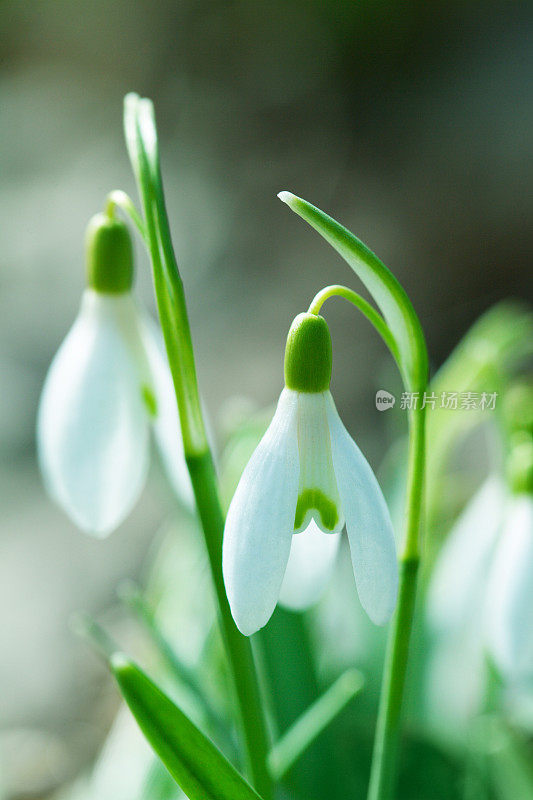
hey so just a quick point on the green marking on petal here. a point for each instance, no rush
(316, 499)
(149, 400)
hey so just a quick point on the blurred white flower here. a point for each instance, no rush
(306, 477)
(107, 383)
(509, 618)
(458, 584)
(480, 600)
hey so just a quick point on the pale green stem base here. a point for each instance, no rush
(384, 759)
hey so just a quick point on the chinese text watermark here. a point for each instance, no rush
(451, 401)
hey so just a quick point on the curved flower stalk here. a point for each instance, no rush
(306, 470)
(107, 385)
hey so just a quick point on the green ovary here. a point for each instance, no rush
(315, 499)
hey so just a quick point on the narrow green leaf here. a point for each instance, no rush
(312, 722)
(382, 285)
(192, 759)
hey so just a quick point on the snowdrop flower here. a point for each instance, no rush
(480, 601)
(458, 586)
(306, 474)
(107, 383)
(456, 604)
(509, 620)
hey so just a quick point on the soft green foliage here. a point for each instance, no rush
(324, 746)
(313, 721)
(193, 760)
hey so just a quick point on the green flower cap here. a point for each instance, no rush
(109, 254)
(308, 354)
(520, 464)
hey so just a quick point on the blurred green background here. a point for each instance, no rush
(411, 123)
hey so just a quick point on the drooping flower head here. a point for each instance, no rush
(107, 383)
(306, 472)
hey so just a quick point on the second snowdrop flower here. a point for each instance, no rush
(306, 473)
(107, 383)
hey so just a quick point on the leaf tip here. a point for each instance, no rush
(119, 662)
(286, 197)
(352, 681)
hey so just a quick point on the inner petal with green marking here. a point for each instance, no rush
(318, 495)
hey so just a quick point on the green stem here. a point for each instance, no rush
(141, 139)
(384, 759)
(238, 646)
(373, 316)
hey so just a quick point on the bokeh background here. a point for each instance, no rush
(412, 123)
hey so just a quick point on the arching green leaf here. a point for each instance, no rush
(194, 762)
(382, 285)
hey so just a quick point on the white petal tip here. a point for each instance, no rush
(286, 197)
(92, 528)
(380, 607)
(379, 617)
(248, 628)
(97, 533)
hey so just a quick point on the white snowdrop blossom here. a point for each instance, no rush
(509, 618)
(307, 478)
(107, 385)
(480, 601)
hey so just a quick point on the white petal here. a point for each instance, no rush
(458, 584)
(368, 523)
(166, 422)
(92, 430)
(258, 532)
(318, 494)
(510, 593)
(310, 567)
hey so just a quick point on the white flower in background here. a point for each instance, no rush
(458, 584)
(306, 473)
(509, 614)
(107, 385)
(455, 608)
(480, 601)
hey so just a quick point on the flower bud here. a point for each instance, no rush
(308, 354)
(109, 255)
